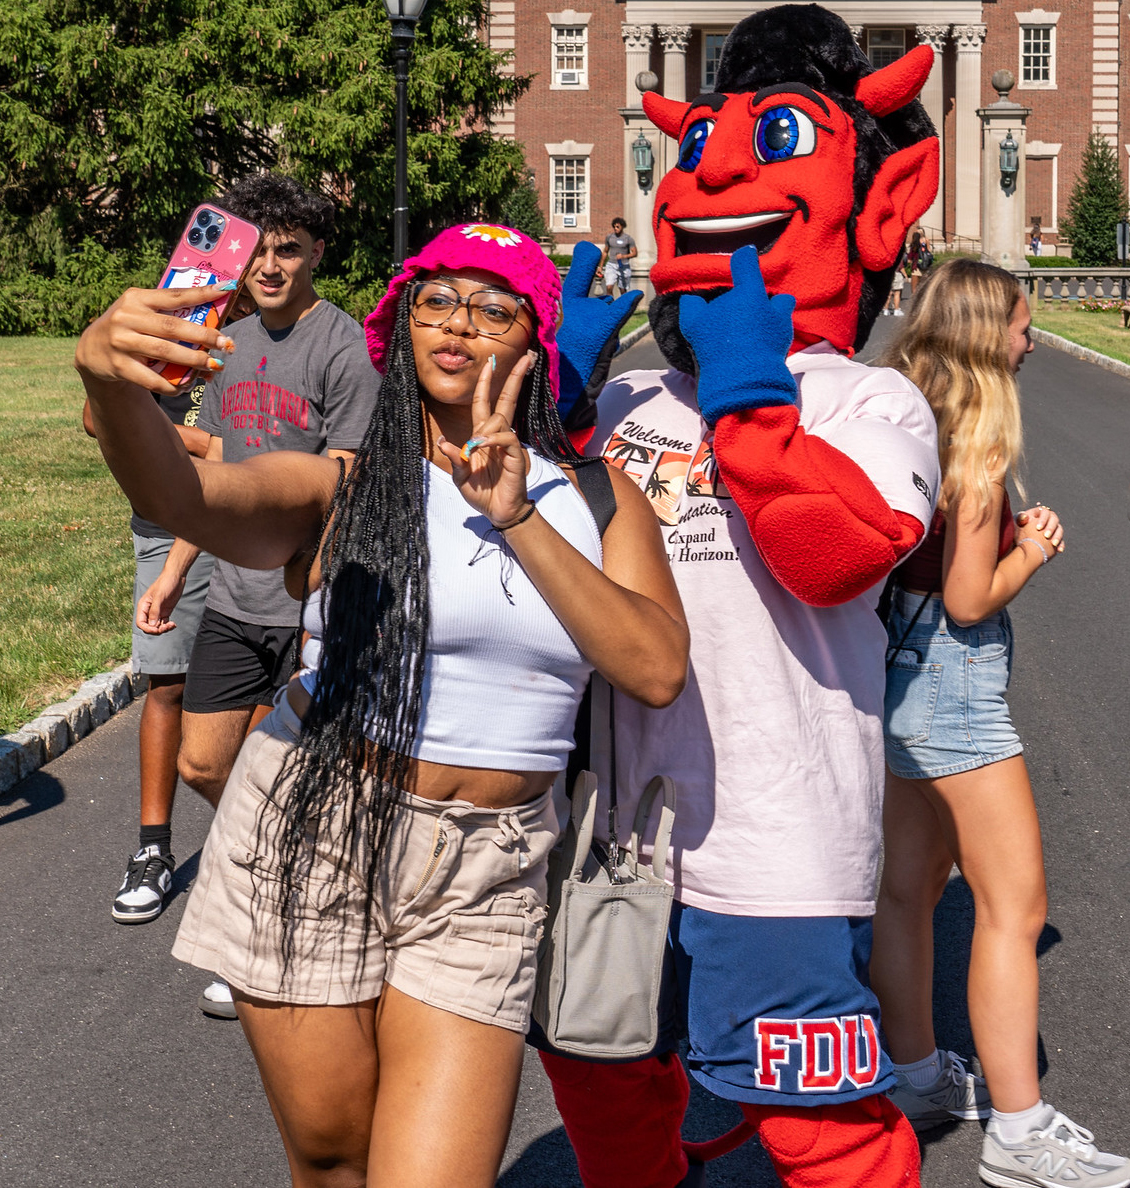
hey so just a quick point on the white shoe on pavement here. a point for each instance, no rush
(1060, 1155)
(217, 1001)
(957, 1094)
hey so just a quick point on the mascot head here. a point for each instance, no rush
(806, 151)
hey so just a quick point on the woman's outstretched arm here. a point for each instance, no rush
(260, 513)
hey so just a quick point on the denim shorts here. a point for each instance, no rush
(945, 710)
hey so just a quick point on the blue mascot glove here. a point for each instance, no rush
(587, 338)
(740, 341)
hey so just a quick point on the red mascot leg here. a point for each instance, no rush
(855, 1143)
(623, 1119)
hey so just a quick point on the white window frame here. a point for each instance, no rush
(707, 38)
(577, 24)
(877, 33)
(1029, 22)
(580, 155)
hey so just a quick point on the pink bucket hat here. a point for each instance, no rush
(525, 268)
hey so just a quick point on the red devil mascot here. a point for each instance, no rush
(788, 480)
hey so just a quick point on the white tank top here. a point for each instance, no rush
(502, 676)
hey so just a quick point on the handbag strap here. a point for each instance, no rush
(892, 653)
(666, 786)
(596, 486)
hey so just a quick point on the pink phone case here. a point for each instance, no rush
(214, 248)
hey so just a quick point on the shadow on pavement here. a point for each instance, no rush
(547, 1160)
(39, 792)
(183, 877)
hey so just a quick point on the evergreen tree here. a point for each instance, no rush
(1097, 203)
(117, 116)
(521, 209)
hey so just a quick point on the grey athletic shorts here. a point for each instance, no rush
(460, 900)
(168, 654)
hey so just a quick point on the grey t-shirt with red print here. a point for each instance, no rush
(309, 388)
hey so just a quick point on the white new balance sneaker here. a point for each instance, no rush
(1061, 1155)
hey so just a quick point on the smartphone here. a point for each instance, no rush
(214, 248)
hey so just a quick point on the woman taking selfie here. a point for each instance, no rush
(958, 789)
(373, 885)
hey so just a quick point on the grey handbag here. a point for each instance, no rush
(600, 961)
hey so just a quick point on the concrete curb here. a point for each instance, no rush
(61, 725)
(635, 336)
(1046, 338)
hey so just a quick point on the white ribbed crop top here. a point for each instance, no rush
(502, 676)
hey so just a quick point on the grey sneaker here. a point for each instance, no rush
(956, 1094)
(1062, 1155)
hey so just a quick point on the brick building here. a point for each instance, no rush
(582, 114)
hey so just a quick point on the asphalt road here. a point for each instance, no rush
(110, 1077)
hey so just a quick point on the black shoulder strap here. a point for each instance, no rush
(596, 487)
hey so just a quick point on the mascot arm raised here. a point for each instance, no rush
(819, 523)
(587, 339)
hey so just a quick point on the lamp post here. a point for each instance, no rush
(404, 14)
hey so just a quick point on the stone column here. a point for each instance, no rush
(675, 38)
(637, 204)
(1003, 212)
(637, 57)
(967, 126)
(936, 37)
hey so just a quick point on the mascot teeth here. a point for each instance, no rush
(731, 223)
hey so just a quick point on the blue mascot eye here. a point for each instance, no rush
(691, 146)
(783, 132)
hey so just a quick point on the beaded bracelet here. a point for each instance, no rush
(1023, 540)
(520, 520)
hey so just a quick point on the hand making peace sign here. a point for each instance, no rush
(490, 470)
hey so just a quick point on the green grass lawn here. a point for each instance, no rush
(1101, 332)
(67, 574)
(633, 323)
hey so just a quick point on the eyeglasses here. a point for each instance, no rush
(491, 311)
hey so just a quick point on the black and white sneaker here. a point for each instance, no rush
(149, 878)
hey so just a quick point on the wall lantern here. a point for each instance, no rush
(1010, 163)
(643, 160)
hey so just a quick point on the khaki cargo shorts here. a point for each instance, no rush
(460, 901)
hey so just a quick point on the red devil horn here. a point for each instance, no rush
(666, 114)
(895, 85)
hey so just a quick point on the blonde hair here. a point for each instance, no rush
(954, 346)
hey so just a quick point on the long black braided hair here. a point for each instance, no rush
(335, 793)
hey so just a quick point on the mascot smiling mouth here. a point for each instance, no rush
(722, 236)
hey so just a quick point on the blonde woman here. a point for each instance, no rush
(957, 788)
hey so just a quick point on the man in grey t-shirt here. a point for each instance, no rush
(617, 256)
(300, 378)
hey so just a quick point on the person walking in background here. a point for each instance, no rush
(920, 257)
(898, 281)
(162, 658)
(1037, 241)
(300, 381)
(619, 252)
(374, 881)
(958, 789)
